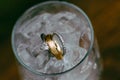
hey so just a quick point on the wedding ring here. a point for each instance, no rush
(55, 44)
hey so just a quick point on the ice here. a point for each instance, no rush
(45, 16)
(32, 22)
(72, 38)
(42, 59)
(80, 72)
(34, 52)
(65, 14)
(58, 22)
(25, 56)
(70, 59)
(73, 56)
(54, 66)
(20, 38)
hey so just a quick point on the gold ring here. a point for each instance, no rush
(54, 45)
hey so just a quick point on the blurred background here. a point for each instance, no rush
(104, 15)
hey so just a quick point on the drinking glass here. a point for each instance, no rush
(54, 40)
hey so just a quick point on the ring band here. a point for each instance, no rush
(54, 45)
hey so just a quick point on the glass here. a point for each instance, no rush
(81, 59)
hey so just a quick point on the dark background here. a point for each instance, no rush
(104, 15)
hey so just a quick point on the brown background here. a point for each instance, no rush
(104, 15)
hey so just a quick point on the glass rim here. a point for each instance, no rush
(52, 74)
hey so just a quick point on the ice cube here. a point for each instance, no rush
(20, 38)
(25, 56)
(71, 38)
(42, 59)
(67, 15)
(58, 23)
(54, 66)
(73, 56)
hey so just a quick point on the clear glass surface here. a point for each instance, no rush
(81, 60)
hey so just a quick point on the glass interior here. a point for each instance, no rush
(48, 18)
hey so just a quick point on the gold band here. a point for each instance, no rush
(54, 47)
